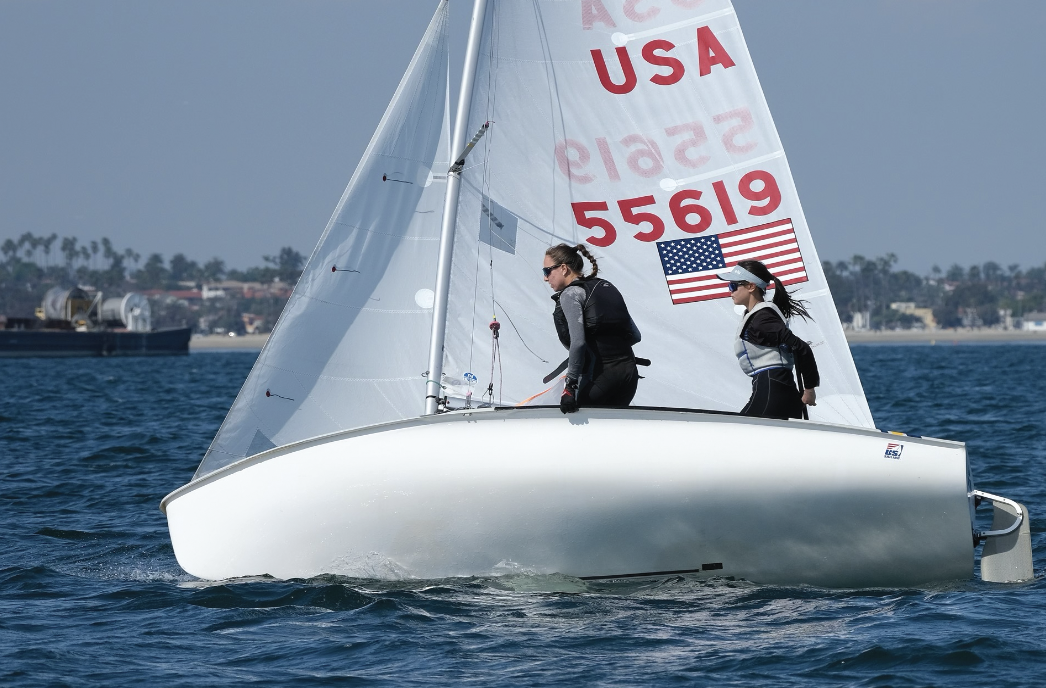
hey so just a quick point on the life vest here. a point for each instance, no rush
(608, 326)
(754, 357)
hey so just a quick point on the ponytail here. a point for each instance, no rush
(789, 306)
(571, 256)
(591, 259)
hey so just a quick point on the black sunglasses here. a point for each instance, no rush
(548, 271)
(734, 286)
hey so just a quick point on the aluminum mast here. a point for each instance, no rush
(450, 211)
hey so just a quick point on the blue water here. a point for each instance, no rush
(90, 593)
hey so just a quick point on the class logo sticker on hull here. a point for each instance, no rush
(893, 450)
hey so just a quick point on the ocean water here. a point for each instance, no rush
(91, 594)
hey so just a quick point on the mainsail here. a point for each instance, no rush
(350, 347)
(639, 128)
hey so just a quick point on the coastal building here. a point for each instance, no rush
(1034, 322)
(252, 324)
(210, 292)
(861, 322)
(924, 314)
(970, 318)
(188, 297)
(251, 290)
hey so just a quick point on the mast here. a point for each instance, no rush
(450, 210)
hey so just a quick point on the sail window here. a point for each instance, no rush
(497, 226)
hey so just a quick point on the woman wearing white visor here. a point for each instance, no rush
(766, 349)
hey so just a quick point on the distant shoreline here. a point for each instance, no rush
(944, 337)
(221, 342)
(254, 342)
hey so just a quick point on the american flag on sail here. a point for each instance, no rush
(690, 264)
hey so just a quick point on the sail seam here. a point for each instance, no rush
(397, 236)
(673, 183)
(389, 401)
(337, 378)
(623, 38)
(361, 308)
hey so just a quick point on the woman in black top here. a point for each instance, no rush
(766, 349)
(593, 323)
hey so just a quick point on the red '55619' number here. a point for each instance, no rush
(758, 186)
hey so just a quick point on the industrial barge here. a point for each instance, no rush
(72, 322)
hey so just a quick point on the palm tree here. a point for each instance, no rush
(28, 243)
(107, 249)
(70, 251)
(47, 248)
(9, 249)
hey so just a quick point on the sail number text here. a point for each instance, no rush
(595, 12)
(758, 186)
(643, 156)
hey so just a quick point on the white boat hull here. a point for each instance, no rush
(599, 494)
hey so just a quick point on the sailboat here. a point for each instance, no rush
(396, 423)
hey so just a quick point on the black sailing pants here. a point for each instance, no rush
(613, 383)
(774, 395)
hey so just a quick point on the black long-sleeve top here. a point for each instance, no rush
(766, 328)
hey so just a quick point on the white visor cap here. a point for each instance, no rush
(739, 274)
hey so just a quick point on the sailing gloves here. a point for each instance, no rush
(568, 402)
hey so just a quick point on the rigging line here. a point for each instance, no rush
(484, 189)
(492, 302)
(554, 105)
(486, 158)
(516, 330)
(490, 147)
(495, 357)
(475, 290)
(475, 299)
(495, 69)
(486, 183)
(475, 285)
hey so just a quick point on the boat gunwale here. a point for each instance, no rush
(491, 413)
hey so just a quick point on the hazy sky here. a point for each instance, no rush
(230, 127)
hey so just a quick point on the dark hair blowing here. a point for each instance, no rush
(571, 256)
(782, 299)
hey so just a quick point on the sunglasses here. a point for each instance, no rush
(734, 286)
(548, 271)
